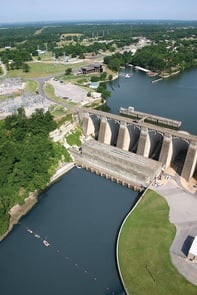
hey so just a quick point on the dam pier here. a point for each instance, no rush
(132, 153)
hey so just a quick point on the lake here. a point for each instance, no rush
(81, 214)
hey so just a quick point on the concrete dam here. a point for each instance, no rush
(133, 153)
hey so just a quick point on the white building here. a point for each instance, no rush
(192, 254)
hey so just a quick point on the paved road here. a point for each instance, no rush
(183, 213)
(4, 70)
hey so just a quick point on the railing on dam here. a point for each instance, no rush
(149, 117)
(180, 134)
(162, 144)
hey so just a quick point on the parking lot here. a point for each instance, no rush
(182, 213)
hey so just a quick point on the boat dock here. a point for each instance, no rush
(140, 116)
(141, 69)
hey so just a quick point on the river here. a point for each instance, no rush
(81, 214)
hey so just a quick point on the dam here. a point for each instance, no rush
(165, 146)
(130, 112)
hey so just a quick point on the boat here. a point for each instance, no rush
(29, 231)
(37, 236)
(127, 76)
(46, 243)
(78, 166)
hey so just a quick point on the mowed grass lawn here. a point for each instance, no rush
(38, 69)
(143, 251)
(43, 69)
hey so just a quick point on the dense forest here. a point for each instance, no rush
(28, 158)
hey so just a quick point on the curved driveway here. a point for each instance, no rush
(183, 213)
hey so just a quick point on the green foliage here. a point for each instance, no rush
(104, 92)
(95, 79)
(26, 67)
(15, 59)
(68, 71)
(74, 138)
(28, 158)
(117, 60)
(103, 76)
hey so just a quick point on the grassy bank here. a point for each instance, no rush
(143, 251)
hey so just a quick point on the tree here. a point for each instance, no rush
(103, 76)
(26, 68)
(68, 71)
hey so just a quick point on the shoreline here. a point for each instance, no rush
(18, 211)
(181, 200)
(119, 233)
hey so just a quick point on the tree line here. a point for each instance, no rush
(69, 39)
(28, 158)
(162, 57)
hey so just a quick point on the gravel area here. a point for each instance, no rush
(70, 92)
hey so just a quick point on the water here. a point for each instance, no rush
(175, 98)
(81, 214)
(81, 222)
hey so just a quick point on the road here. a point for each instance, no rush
(183, 213)
(4, 70)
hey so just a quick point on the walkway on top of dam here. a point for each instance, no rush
(153, 119)
(163, 130)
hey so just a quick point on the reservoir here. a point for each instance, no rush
(80, 217)
(173, 98)
(81, 214)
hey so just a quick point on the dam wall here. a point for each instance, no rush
(170, 147)
(121, 166)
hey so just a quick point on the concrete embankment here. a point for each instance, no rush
(17, 211)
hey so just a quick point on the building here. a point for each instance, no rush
(94, 68)
(192, 254)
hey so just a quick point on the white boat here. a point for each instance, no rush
(46, 243)
(29, 231)
(37, 236)
(127, 76)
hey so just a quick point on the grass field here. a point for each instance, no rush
(42, 69)
(31, 86)
(143, 251)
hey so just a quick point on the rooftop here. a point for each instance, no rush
(193, 248)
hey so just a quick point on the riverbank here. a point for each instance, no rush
(18, 211)
(143, 250)
(118, 240)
